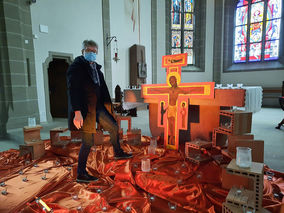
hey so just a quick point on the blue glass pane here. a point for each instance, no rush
(257, 12)
(188, 21)
(241, 34)
(271, 50)
(255, 32)
(188, 5)
(240, 54)
(274, 9)
(176, 38)
(176, 21)
(272, 29)
(255, 52)
(242, 3)
(241, 15)
(188, 39)
(176, 6)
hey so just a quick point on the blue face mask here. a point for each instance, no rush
(90, 56)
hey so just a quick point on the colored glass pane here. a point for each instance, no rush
(188, 21)
(188, 5)
(256, 32)
(257, 12)
(241, 34)
(188, 39)
(242, 3)
(189, 55)
(176, 20)
(271, 51)
(274, 9)
(176, 51)
(272, 29)
(255, 52)
(176, 5)
(176, 39)
(240, 53)
(241, 15)
(254, 1)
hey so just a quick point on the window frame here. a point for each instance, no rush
(228, 47)
(199, 35)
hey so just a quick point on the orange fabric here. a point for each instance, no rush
(122, 186)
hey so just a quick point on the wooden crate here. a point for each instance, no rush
(37, 149)
(32, 134)
(235, 122)
(255, 172)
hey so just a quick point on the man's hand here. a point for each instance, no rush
(78, 119)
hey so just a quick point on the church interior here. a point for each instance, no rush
(197, 92)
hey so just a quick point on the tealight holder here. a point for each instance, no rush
(104, 208)
(99, 191)
(21, 172)
(3, 184)
(145, 165)
(25, 179)
(172, 206)
(151, 197)
(44, 177)
(45, 171)
(36, 165)
(128, 209)
(4, 192)
(75, 197)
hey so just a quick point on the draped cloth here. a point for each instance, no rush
(173, 183)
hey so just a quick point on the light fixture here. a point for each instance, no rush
(109, 40)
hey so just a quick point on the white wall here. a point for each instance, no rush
(121, 26)
(255, 78)
(69, 23)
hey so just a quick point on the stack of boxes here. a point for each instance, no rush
(244, 199)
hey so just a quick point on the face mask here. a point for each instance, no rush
(90, 56)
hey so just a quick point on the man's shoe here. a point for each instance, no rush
(122, 155)
(86, 178)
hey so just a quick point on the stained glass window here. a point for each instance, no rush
(182, 28)
(257, 30)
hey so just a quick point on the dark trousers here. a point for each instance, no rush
(108, 123)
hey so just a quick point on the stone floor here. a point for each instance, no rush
(263, 128)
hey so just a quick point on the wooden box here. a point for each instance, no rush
(55, 137)
(232, 142)
(220, 138)
(235, 122)
(32, 134)
(134, 137)
(37, 149)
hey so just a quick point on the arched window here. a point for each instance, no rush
(182, 28)
(257, 30)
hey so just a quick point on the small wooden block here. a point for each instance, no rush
(36, 149)
(55, 137)
(32, 134)
(59, 129)
(134, 137)
(256, 168)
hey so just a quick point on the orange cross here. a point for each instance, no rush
(172, 98)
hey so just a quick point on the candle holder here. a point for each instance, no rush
(25, 179)
(172, 206)
(3, 184)
(4, 192)
(44, 177)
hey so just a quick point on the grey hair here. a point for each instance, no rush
(89, 43)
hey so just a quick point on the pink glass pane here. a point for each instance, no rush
(176, 21)
(271, 51)
(241, 34)
(272, 29)
(176, 51)
(255, 32)
(257, 12)
(240, 54)
(188, 21)
(176, 38)
(255, 52)
(254, 1)
(188, 39)
(242, 3)
(188, 5)
(274, 9)
(241, 15)
(176, 6)
(189, 55)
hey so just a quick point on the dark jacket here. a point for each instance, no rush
(84, 94)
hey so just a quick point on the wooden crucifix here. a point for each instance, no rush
(173, 97)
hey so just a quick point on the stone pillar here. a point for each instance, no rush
(18, 99)
(107, 50)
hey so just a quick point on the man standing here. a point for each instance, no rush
(89, 102)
